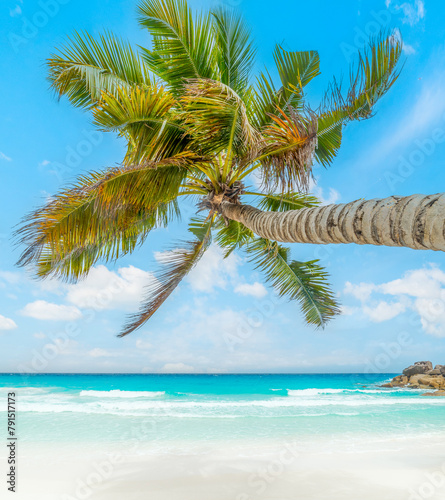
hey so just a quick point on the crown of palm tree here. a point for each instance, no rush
(197, 124)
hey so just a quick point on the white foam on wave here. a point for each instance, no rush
(222, 408)
(317, 392)
(116, 393)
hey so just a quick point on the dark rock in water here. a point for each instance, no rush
(418, 368)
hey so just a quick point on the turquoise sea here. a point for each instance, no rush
(162, 409)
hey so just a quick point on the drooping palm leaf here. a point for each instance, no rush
(99, 207)
(301, 281)
(182, 43)
(85, 67)
(177, 264)
(287, 151)
(111, 240)
(231, 235)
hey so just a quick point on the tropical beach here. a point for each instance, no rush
(222, 250)
(228, 436)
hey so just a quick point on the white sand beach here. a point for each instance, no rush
(390, 469)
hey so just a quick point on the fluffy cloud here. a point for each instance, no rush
(211, 272)
(40, 309)
(255, 289)
(413, 12)
(105, 289)
(177, 368)
(420, 290)
(4, 157)
(100, 353)
(7, 323)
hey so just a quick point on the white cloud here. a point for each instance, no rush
(105, 289)
(255, 289)
(384, 311)
(413, 12)
(7, 323)
(419, 290)
(39, 335)
(408, 49)
(177, 368)
(141, 344)
(4, 157)
(326, 199)
(10, 277)
(40, 309)
(361, 291)
(97, 352)
(213, 271)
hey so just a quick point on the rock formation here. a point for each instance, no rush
(421, 375)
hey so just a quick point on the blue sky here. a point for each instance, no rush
(223, 318)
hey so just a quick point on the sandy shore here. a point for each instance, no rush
(390, 469)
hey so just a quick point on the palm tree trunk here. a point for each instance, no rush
(415, 221)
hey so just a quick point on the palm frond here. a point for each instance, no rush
(177, 264)
(296, 70)
(288, 151)
(216, 118)
(301, 281)
(376, 73)
(234, 49)
(182, 44)
(231, 235)
(112, 239)
(99, 208)
(145, 118)
(85, 67)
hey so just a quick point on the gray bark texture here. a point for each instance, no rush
(416, 221)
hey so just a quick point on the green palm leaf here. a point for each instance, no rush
(375, 75)
(277, 202)
(182, 45)
(301, 281)
(101, 210)
(234, 50)
(85, 67)
(145, 117)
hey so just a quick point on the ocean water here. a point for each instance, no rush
(161, 411)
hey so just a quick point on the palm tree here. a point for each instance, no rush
(198, 126)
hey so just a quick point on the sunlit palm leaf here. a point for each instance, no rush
(112, 239)
(177, 264)
(85, 67)
(99, 207)
(286, 201)
(288, 150)
(145, 117)
(301, 281)
(182, 44)
(296, 70)
(232, 235)
(216, 117)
